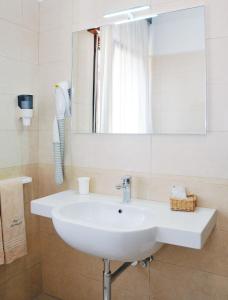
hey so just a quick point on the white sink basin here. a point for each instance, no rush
(102, 225)
(108, 230)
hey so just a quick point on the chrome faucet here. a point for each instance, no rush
(126, 187)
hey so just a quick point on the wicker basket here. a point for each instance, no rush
(188, 204)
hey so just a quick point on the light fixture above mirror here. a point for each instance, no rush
(127, 12)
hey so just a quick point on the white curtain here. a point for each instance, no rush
(124, 104)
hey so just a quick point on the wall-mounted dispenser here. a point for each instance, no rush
(25, 106)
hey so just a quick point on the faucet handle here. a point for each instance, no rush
(126, 179)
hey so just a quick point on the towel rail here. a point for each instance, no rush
(25, 179)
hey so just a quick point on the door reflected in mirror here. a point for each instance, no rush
(142, 77)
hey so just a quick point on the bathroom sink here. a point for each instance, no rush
(114, 231)
(104, 226)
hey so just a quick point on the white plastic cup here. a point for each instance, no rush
(83, 185)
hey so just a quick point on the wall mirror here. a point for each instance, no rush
(141, 77)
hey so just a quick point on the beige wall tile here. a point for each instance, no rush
(58, 255)
(47, 112)
(8, 112)
(31, 190)
(55, 14)
(10, 172)
(10, 154)
(169, 282)
(45, 147)
(44, 297)
(135, 280)
(29, 146)
(55, 45)
(30, 14)
(9, 271)
(32, 221)
(217, 22)
(64, 269)
(24, 286)
(125, 152)
(34, 251)
(78, 289)
(118, 294)
(18, 42)
(109, 6)
(217, 107)
(34, 278)
(15, 288)
(212, 258)
(29, 48)
(10, 40)
(50, 74)
(80, 13)
(46, 226)
(12, 80)
(217, 60)
(11, 10)
(203, 156)
(47, 183)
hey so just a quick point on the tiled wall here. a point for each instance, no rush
(156, 162)
(19, 27)
(19, 21)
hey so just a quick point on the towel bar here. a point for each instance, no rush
(26, 179)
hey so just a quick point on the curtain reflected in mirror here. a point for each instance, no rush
(147, 76)
(124, 100)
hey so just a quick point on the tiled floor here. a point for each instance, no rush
(45, 297)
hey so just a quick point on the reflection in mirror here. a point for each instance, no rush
(147, 76)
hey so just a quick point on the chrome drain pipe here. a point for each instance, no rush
(107, 280)
(109, 277)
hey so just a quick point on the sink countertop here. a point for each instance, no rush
(188, 229)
